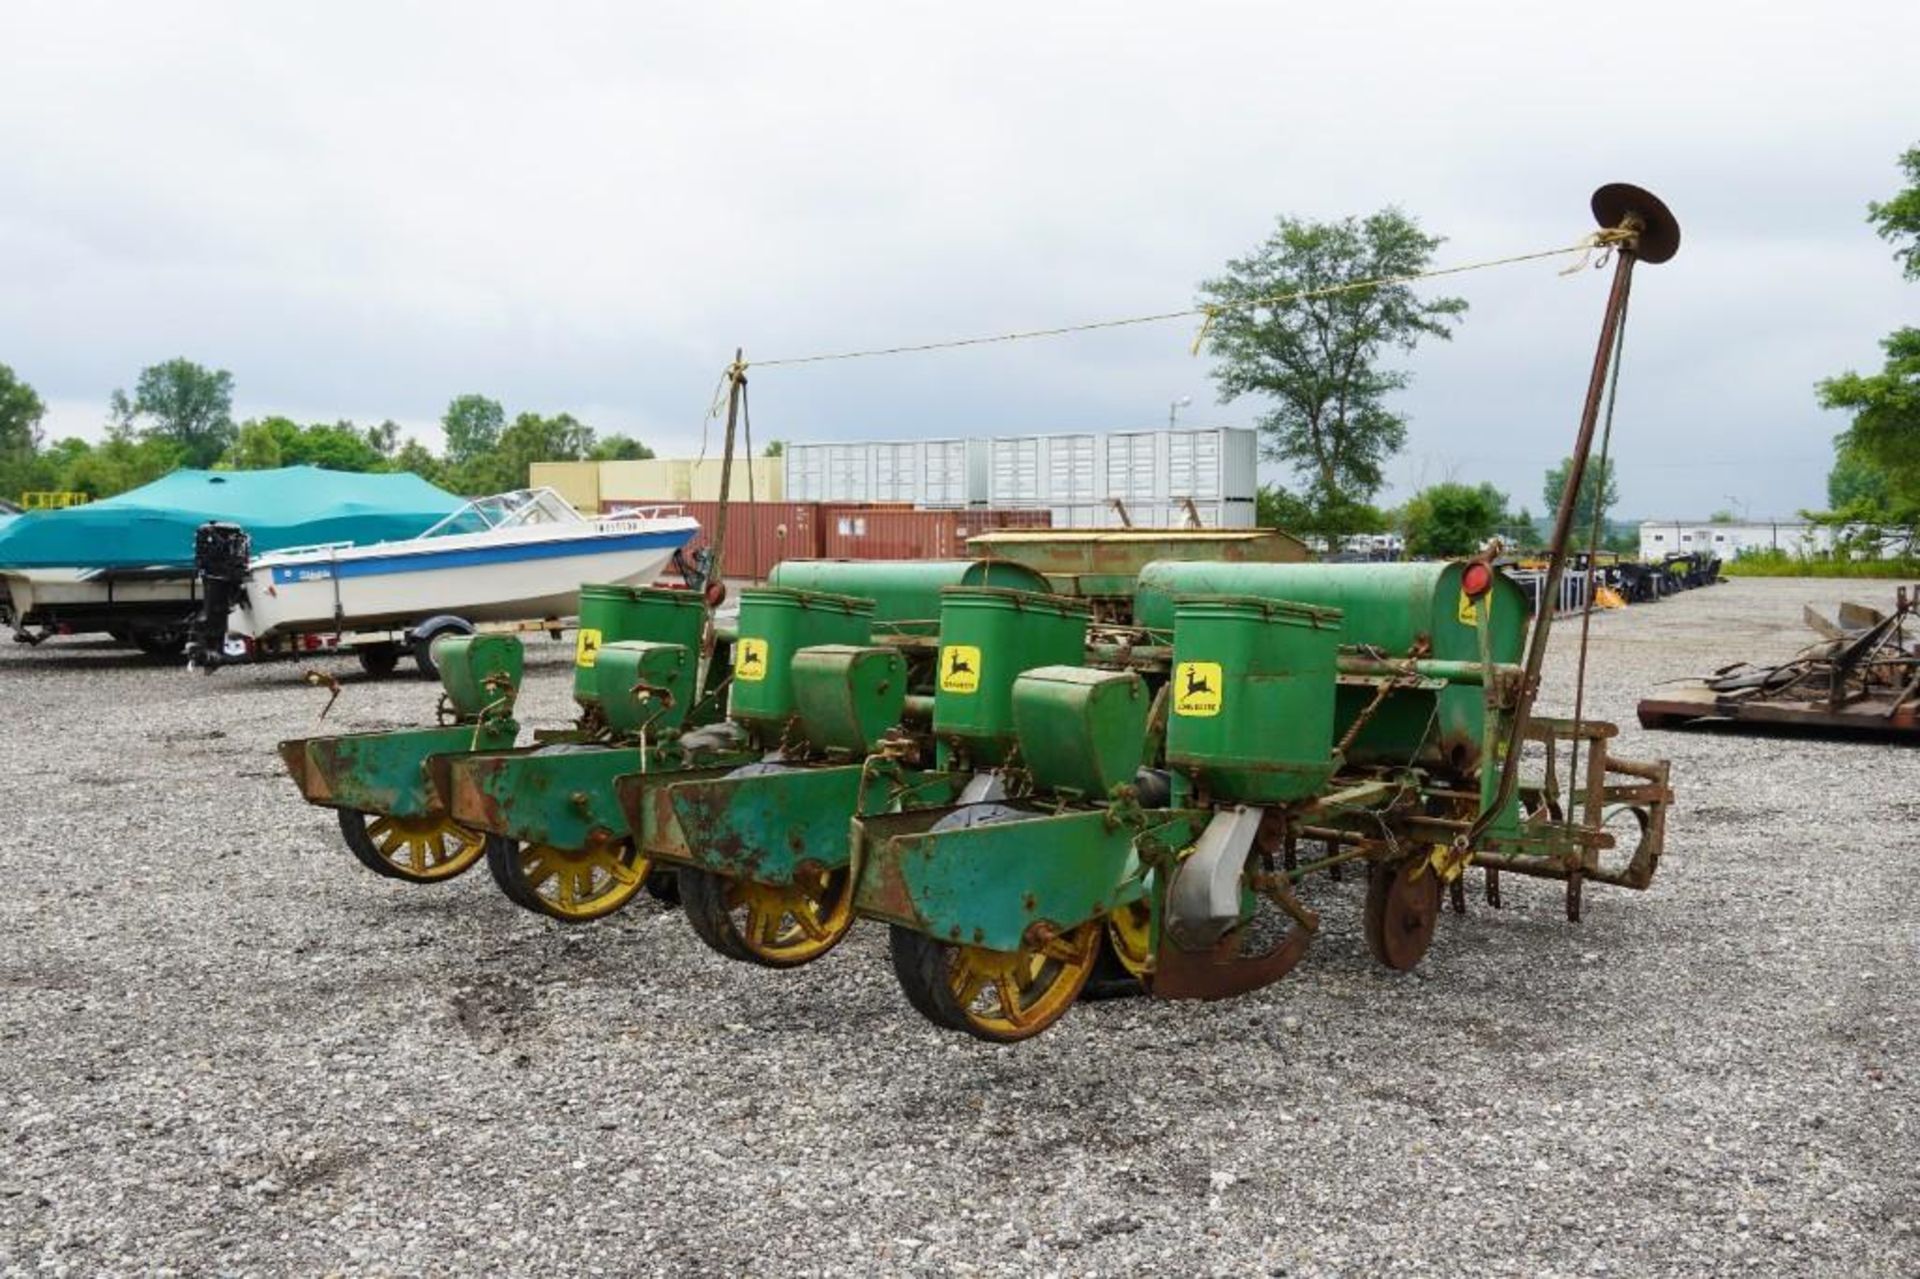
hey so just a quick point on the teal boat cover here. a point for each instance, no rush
(152, 526)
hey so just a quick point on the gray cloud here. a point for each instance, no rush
(363, 210)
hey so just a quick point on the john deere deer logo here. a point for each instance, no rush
(1196, 688)
(750, 661)
(586, 648)
(959, 668)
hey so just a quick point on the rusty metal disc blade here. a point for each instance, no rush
(1403, 905)
(1221, 971)
(1659, 229)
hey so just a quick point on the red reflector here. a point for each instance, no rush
(1476, 581)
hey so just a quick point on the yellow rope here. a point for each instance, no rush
(1603, 240)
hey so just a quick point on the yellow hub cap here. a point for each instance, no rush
(580, 883)
(425, 849)
(1130, 930)
(1011, 995)
(793, 923)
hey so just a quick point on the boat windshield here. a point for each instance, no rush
(518, 509)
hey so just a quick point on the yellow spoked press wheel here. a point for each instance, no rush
(573, 885)
(419, 850)
(996, 995)
(775, 926)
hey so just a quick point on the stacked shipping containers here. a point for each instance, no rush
(1077, 476)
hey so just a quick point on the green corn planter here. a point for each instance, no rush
(477, 670)
(988, 636)
(1252, 698)
(1390, 607)
(644, 687)
(386, 774)
(776, 623)
(609, 614)
(1080, 730)
(847, 697)
(905, 593)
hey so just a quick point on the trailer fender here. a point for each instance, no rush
(422, 636)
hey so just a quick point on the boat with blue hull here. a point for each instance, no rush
(510, 556)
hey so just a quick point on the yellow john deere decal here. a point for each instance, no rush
(750, 660)
(586, 647)
(1196, 688)
(959, 668)
(1468, 617)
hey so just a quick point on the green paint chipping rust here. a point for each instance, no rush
(1252, 705)
(988, 637)
(905, 593)
(386, 774)
(776, 623)
(1080, 731)
(987, 885)
(557, 795)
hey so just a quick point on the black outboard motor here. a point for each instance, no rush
(220, 556)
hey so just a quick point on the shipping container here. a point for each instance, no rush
(759, 534)
(1213, 514)
(688, 479)
(872, 533)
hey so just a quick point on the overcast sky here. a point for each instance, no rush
(362, 210)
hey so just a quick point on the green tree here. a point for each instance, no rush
(384, 438)
(1600, 482)
(1854, 479)
(1877, 464)
(21, 412)
(473, 424)
(1319, 359)
(1899, 218)
(124, 460)
(1452, 519)
(183, 403)
(530, 438)
(341, 446)
(416, 457)
(262, 444)
(620, 448)
(775, 448)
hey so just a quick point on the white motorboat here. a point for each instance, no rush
(512, 556)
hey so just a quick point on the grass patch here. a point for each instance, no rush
(1781, 564)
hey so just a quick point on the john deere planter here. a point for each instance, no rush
(393, 816)
(1317, 716)
(764, 858)
(560, 846)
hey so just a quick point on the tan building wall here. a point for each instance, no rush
(578, 482)
(589, 486)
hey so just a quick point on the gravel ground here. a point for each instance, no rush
(225, 1048)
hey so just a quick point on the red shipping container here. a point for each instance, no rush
(880, 533)
(761, 534)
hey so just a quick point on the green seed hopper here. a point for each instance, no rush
(905, 593)
(1101, 566)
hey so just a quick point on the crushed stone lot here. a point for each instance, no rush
(226, 1048)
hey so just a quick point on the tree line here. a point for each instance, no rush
(180, 414)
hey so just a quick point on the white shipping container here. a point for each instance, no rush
(956, 473)
(899, 471)
(1071, 468)
(1014, 476)
(806, 472)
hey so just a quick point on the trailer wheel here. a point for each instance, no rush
(378, 660)
(165, 642)
(419, 850)
(1403, 904)
(430, 630)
